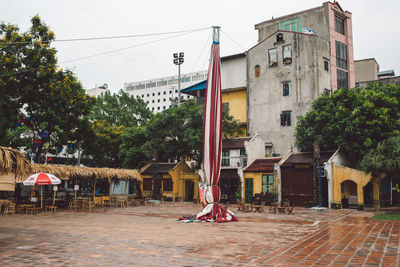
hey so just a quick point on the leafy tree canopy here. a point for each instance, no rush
(352, 119)
(110, 118)
(384, 159)
(51, 101)
(175, 133)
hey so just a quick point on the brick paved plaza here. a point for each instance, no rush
(151, 236)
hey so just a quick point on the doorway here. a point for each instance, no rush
(189, 190)
(248, 193)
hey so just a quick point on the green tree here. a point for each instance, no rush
(173, 133)
(176, 132)
(52, 102)
(384, 159)
(133, 150)
(111, 116)
(352, 119)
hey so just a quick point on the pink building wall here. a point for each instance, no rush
(346, 39)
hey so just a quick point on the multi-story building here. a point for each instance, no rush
(161, 93)
(233, 83)
(367, 70)
(98, 90)
(298, 57)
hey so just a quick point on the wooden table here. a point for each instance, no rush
(51, 208)
(257, 208)
(123, 202)
(26, 207)
(281, 209)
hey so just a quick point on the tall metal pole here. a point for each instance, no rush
(178, 60)
(317, 176)
(179, 85)
(79, 153)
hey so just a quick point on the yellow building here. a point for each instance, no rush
(260, 177)
(179, 181)
(347, 185)
(235, 101)
(234, 88)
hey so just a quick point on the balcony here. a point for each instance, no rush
(233, 162)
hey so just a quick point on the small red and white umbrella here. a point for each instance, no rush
(42, 179)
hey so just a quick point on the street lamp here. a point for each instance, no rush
(178, 60)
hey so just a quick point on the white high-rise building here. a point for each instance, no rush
(161, 93)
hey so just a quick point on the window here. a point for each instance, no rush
(293, 25)
(158, 100)
(268, 149)
(287, 54)
(153, 94)
(257, 71)
(148, 95)
(285, 118)
(267, 183)
(164, 100)
(273, 57)
(152, 101)
(170, 92)
(225, 158)
(326, 64)
(342, 79)
(243, 156)
(142, 96)
(147, 182)
(176, 91)
(159, 93)
(185, 79)
(165, 93)
(339, 25)
(163, 107)
(152, 109)
(285, 87)
(279, 37)
(225, 107)
(167, 184)
(341, 55)
(158, 108)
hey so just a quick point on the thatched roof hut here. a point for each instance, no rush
(13, 161)
(66, 172)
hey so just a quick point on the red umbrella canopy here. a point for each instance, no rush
(41, 179)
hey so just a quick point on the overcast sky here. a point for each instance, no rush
(375, 32)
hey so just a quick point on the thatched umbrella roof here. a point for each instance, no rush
(66, 172)
(13, 161)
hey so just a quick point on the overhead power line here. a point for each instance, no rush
(227, 35)
(132, 46)
(109, 37)
(103, 53)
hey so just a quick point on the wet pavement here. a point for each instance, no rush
(151, 236)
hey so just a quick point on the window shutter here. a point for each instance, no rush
(282, 119)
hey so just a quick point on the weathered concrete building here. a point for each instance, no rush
(366, 70)
(298, 57)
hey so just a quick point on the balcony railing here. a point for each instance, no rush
(234, 161)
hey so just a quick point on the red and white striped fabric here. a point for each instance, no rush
(41, 179)
(212, 139)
